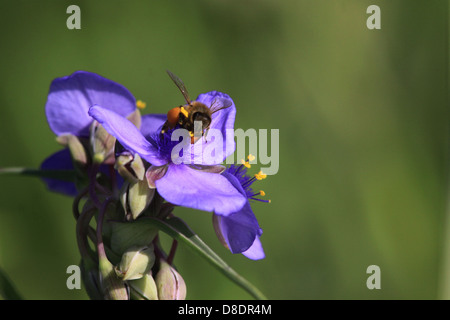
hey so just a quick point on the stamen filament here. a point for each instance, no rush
(262, 200)
(248, 182)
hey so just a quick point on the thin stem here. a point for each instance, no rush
(172, 252)
(82, 224)
(101, 215)
(76, 203)
(114, 187)
(92, 183)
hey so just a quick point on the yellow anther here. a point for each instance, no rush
(245, 163)
(260, 175)
(262, 193)
(184, 112)
(251, 157)
(191, 133)
(141, 104)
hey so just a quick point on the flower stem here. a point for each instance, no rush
(173, 249)
(81, 227)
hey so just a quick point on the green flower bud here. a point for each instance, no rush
(102, 144)
(122, 164)
(75, 146)
(135, 198)
(137, 167)
(136, 262)
(139, 197)
(169, 282)
(113, 287)
(143, 288)
(130, 167)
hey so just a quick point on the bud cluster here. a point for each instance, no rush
(124, 264)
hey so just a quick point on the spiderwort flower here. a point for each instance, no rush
(240, 231)
(67, 106)
(191, 185)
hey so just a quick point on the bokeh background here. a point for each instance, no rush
(362, 114)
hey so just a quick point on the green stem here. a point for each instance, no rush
(64, 175)
(198, 246)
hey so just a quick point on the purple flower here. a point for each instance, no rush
(68, 103)
(60, 160)
(240, 231)
(191, 185)
(70, 98)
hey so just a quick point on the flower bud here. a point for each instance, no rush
(137, 167)
(169, 282)
(135, 198)
(102, 144)
(113, 287)
(216, 224)
(144, 288)
(139, 197)
(135, 262)
(154, 173)
(75, 146)
(130, 167)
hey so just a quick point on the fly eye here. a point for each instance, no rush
(172, 115)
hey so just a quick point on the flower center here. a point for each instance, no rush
(246, 181)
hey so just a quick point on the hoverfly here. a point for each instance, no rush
(186, 115)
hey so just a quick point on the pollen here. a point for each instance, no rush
(141, 104)
(245, 163)
(260, 175)
(262, 193)
(184, 112)
(251, 157)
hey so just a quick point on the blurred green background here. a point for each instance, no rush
(362, 114)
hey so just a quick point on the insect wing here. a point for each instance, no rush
(218, 105)
(179, 83)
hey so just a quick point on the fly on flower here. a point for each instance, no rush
(195, 181)
(186, 115)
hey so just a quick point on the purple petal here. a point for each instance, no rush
(256, 251)
(60, 160)
(70, 98)
(222, 120)
(240, 229)
(196, 189)
(152, 124)
(126, 133)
